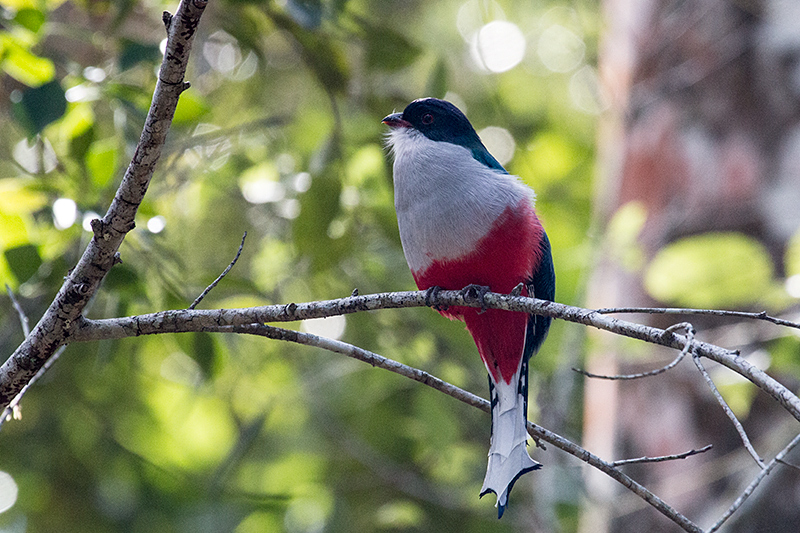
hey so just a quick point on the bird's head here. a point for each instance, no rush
(441, 121)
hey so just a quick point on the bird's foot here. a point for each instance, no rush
(477, 293)
(431, 295)
(538, 442)
(516, 291)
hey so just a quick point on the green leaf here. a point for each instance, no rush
(323, 55)
(623, 234)
(438, 80)
(319, 206)
(134, 53)
(191, 107)
(30, 19)
(204, 352)
(17, 196)
(19, 63)
(387, 49)
(123, 278)
(710, 270)
(42, 105)
(307, 13)
(792, 257)
(13, 231)
(24, 261)
(101, 161)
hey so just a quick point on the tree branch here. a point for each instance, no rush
(252, 321)
(58, 322)
(661, 458)
(690, 333)
(536, 432)
(219, 278)
(762, 315)
(183, 320)
(728, 411)
(753, 484)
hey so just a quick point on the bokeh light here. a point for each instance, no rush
(331, 327)
(793, 286)
(8, 491)
(86, 222)
(498, 46)
(156, 224)
(65, 213)
(34, 155)
(499, 142)
(560, 49)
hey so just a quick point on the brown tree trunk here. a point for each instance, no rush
(702, 131)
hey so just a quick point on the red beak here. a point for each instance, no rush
(395, 120)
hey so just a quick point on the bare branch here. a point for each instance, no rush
(58, 322)
(536, 432)
(23, 318)
(205, 320)
(661, 458)
(728, 411)
(252, 320)
(13, 410)
(790, 465)
(688, 311)
(690, 333)
(219, 278)
(753, 484)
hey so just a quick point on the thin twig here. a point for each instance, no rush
(13, 410)
(661, 458)
(762, 315)
(790, 465)
(690, 333)
(23, 318)
(753, 484)
(728, 411)
(219, 278)
(536, 432)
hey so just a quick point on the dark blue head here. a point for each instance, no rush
(441, 121)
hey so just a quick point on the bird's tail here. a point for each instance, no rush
(508, 454)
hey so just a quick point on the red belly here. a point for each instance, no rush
(502, 259)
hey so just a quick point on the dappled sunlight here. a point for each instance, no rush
(65, 213)
(35, 156)
(332, 327)
(793, 286)
(193, 432)
(498, 46)
(499, 142)
(8, 491)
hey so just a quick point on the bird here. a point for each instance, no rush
(467, 224)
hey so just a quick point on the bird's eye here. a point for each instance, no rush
(427, 118)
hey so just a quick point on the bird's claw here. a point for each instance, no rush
(516, 291)
(476, 292)
(431, 294)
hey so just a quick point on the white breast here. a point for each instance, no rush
(446, 201)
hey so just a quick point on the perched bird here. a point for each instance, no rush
(467, 224)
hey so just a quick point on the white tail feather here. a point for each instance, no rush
(508, 453)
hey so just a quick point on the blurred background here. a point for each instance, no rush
(661, 138)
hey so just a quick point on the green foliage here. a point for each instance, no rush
(39, 106)
(710, 271)
(279, 136)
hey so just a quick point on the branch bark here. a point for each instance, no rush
(538, 433)
(185, 320)
(59, 321)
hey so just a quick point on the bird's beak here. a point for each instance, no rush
(395, 120)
